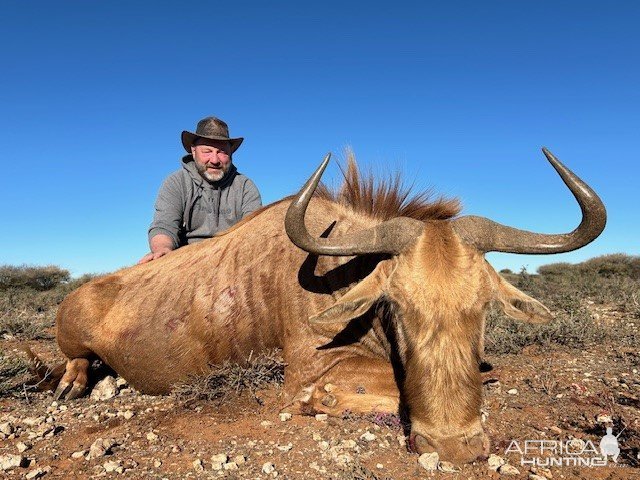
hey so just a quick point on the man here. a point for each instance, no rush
(207, 195)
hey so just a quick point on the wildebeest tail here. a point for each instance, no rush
(46, 378)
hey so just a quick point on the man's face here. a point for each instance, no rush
(212, 157)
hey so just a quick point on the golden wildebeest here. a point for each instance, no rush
(380, 302)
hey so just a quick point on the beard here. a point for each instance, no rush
(214, 176)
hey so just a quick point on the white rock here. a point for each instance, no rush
(105, 389)
(79, 454)
(507, 469)
(157, 463)
(368, 436)
(7, 462)
(495, 462)
(152, 437)
(266, 423)
(128, 415)
(121, 382)
(220, 458)
(349, 443)
(22, 447)
(285, 416)
(239, 459)
(429, 461)
(513, 391)
(37, 473)
(42, 430)
(111, 465)
(6, 428)
(285, 448)
(100, 448)
(604, 418)
(322, 417)
(231, 466)
(197, 465)
(379, 466)
(268, 468)
(33, 422)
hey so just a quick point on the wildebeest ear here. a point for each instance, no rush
(358, 300)
(521, 306)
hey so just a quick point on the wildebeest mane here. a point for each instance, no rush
(388, 198)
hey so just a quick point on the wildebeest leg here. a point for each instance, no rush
(74, 381)
(337, 403)
(356, 384)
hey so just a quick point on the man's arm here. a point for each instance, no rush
(161, 244)
(251, 200)
(164, 229)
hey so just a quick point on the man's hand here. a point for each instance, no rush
(153, 256)
(160, 246)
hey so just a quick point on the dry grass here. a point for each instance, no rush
(611, 281)
(29, 298)
(258, 372)
(13, 373)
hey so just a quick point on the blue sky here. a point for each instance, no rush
(459, 95)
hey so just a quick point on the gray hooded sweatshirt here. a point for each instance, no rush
(190, 209)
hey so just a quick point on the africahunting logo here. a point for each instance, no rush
(564, 453)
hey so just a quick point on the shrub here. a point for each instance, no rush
(257, 372)
(614, 265)
(557, 269)
(29, 297)
(567, 289)
(37, 278)
(12, 372)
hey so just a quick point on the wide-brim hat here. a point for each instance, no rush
(212, 128)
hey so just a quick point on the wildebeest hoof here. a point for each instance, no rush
(329, 401)
(69, 391)
(61, 391)
(74, 381)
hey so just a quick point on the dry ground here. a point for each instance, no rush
(567, 382)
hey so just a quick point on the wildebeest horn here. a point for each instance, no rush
(489, 236)
(391, 236)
